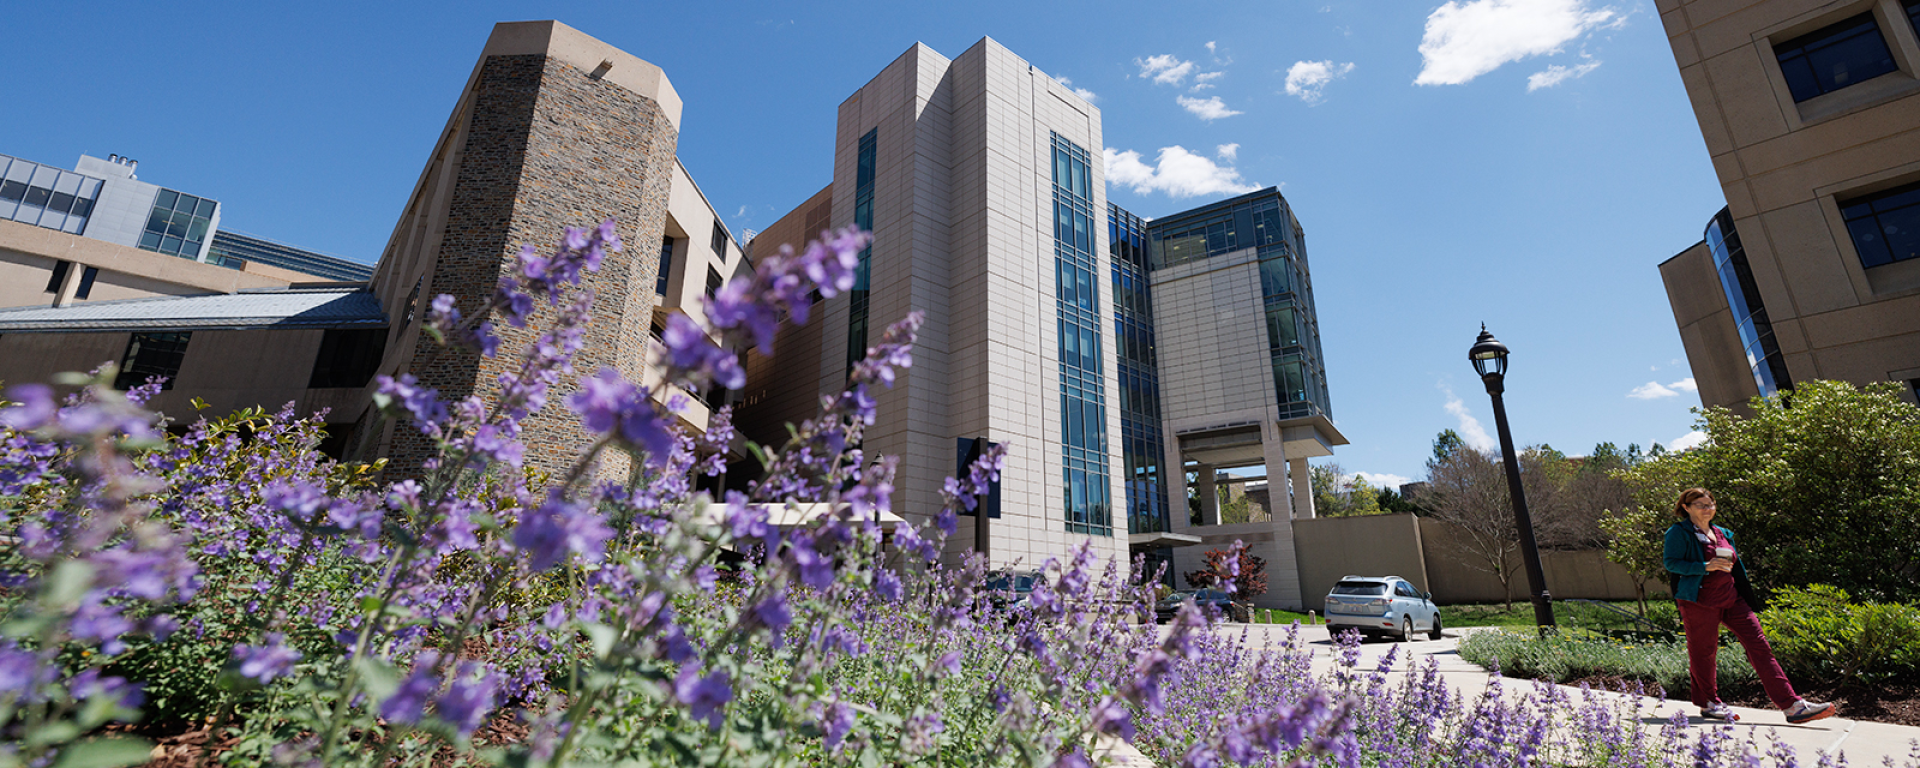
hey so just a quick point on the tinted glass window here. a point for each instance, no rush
(152, 354)
(1832, 58)
(1884, 226)
(348, 357)
(1359, 588)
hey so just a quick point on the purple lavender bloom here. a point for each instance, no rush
(836, 721)
(1072, 758)
(705, 697)
(442, 316)
(90, 684)
(887, 585)
(422, 402)
(34, 408)
(816, 570)
(1112, 717)
(469, 700)
(493, 443)
(921, 732)
(773, 614)
(749, 521)
(607, 402)
(560, 527)
(266, 662)
(736, 306)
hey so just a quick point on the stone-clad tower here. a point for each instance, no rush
(554, 129)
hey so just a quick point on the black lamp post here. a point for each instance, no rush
(1489, 358)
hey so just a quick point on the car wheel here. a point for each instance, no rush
(1434, 634)
(1406, 629)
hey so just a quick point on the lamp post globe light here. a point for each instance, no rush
(1489, 358)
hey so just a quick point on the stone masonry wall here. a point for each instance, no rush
(549, 147)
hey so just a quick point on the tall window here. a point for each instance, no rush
(666, 266)
(152, 354)
(863, 269)
(719, 241)
(1885, 225)
(714, 281)
(1083, 397)
(178, 224)
(1834, 57)
(1749, 313)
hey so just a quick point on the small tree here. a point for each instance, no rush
(1252, 581)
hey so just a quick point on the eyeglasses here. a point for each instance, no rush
(1702, 504)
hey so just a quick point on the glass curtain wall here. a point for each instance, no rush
(1083, 400)
(1141, 442)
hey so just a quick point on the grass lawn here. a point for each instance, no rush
(1566, 614)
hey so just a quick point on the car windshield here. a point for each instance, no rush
(1210, 594)
(1359, 588)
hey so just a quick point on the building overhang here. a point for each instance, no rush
(1155, 539)
(1310, 436)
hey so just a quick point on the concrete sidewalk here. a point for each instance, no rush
(1864, 743)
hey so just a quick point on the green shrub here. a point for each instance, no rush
(1820, 633)
(1568, 656)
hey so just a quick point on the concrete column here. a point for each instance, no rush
(1273, 450)
(1302, 489)
(70, 284)
(1209, 496)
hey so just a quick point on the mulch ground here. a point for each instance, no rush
(1896, 703)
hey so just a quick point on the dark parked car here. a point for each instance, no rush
(1009, 591)
(1382, 605)
(1222, 602)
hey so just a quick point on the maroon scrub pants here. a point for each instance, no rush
(1720, 604)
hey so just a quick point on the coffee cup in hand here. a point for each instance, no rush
(1723, 552)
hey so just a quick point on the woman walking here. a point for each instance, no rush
(1710, 583)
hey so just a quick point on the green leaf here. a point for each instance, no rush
(378, 677)
(69, 582)
(105, 752)
(602, 636)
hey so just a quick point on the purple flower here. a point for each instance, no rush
(705, 697)
(921, 731)
(422, 402)
(90, 684)
(409, 702)
(1111, 716)
(34, 408)
(773, 614)
(608, 403)
(267, 662)
(887, 585)
(816, 569)
(560, 527)
(836, 721)
(467, 702)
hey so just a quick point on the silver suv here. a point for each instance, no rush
(1381, 605)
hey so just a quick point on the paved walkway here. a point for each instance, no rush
(1864, 743)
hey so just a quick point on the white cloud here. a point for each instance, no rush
(1556, 74)
(1465, 40)
(743, 212)
(1306, 79)
(1205, 80)
(1176, 171)
(1228, 152)
(1382, 479)
(1692, 439)
(1470, 429)
(1209, 46)
(1210, 108)
(1654, 390)
(1080, 92)
(1651, 390)
(1165, 69)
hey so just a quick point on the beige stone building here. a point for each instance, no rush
(1811, 110)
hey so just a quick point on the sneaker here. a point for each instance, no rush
(1719, 711)
(1804, 711)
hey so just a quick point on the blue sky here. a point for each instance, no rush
(1523, 163)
